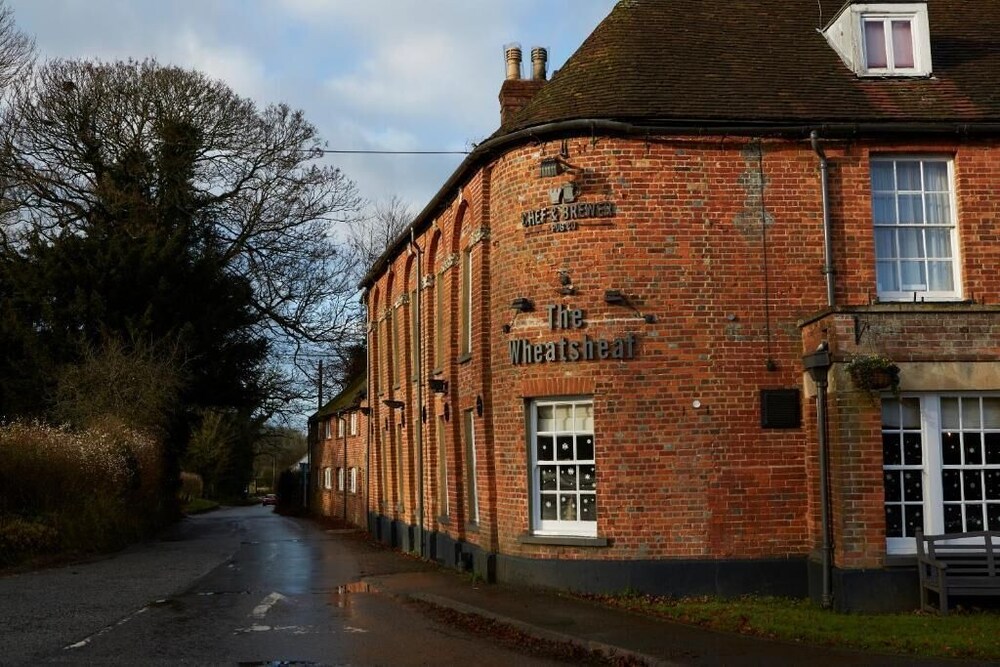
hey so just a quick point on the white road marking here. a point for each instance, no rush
(260, 611)
(354, 630)
(84, 642)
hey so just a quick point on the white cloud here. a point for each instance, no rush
(234, 65)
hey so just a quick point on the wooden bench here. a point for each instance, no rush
(957, 564)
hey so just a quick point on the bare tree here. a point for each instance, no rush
(17, 50)
(372, 234)
(90, 140)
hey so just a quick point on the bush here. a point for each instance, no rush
(192, 487)
(77, 491)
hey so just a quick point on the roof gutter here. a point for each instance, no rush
(497, 144)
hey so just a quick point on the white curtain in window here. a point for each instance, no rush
(875, 44)
(902, 44)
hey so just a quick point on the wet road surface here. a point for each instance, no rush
(276, 590)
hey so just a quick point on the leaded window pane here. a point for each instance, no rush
(940, 276)
(949, 413)
(549, 510)
(893, 521)
(910, 411)
(992, 442)
(953, 518)
(545, 448)
(564, 448)
(951, 487)
(991, 412)
(970, 413)
(973, 449)
(914, 519)
(891, 452)
(567, 478)
(972, 484)
(912, 449)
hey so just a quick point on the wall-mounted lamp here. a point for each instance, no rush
(522, 305)
(616, 297)
(365, 410)
(394, 405)
(438, 386)
(550, 166)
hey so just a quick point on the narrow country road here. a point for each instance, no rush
(238, 586)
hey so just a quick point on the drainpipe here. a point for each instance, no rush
(368, 419)
(419, 412)
(345, 468)
(818, 364)
(827, 235)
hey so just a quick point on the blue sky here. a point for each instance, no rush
(370, 74)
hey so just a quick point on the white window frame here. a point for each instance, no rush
(340, 479)
(327, 478)
(887, 19)
(352, 480)
(915, 293)
(932, 465)
(327, 432)
(354, 423)
(540, 526)
(341, 427)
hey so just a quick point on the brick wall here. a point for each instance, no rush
(721, 240)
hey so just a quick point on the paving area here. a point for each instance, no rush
(617, 634)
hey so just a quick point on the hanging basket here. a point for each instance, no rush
(873, 373)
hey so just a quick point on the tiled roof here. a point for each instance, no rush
(723, 61)
(346, 400)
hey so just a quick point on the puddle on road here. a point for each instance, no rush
(341, 597)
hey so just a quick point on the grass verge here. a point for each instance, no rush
(962, 634)
(200, 505)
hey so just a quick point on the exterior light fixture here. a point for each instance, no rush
(616, 297)
(393, 404)
(550, 167)
(522, 305)
(438, 386)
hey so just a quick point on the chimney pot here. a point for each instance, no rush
(512, 53)
(539, 63)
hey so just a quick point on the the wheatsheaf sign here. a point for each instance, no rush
(561, 318)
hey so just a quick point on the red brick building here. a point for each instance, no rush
(586, 354)
(338, 445)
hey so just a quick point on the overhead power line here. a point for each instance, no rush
(364, 152)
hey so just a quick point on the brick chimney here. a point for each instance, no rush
(515, 93)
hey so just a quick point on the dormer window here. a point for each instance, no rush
(882, 39)
(888, 44)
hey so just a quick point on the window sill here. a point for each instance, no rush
(900, 560)
(563, 540)
(465, 358)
